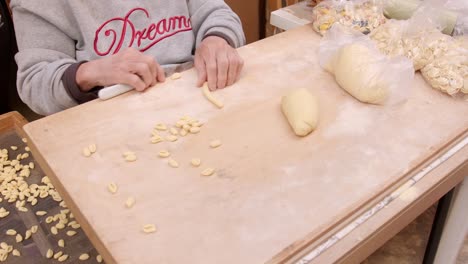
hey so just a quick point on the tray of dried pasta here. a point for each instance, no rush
(35, 224)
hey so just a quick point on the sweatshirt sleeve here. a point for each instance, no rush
(45, 52)
(214, 17)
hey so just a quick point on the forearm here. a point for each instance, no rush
(215, 18)
(40, 85)
(45, 53)
(79, 81)
(85, 77)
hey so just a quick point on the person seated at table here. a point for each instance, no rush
(68, 50)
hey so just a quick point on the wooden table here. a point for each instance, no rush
(276, 198)
(443, 243)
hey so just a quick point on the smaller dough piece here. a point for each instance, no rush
(174, 131)
(180, 123)
(176, 76)
(149, 228)
(161, 127)
(130, 202)
(112, 188)
(164, 154)
(86, 152)
(196, 162)
(215, 143)
(301, 109)
(194, 130)
(171, 138)
(92, 148)
(130, 156)
(210, 97)
(207, 172)
(156, 139)
(173, 163)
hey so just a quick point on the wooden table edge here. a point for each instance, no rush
(408, 213)
(402, 216)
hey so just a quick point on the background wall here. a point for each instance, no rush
(249, 12)
(255, 15)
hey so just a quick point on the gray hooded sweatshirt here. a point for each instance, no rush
(55, 36)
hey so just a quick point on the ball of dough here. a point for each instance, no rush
(301, 109)
(359, 71)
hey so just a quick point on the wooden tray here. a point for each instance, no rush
(34, 249)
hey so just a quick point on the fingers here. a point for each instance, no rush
(144, 66)
(232, 72)
(143, 71)
(217, 63)
(157, 71)
(240, 66)
(201, 70)
(206, 65)
(211, 72)
(161, 76)
(153, 66)
(133, 80)
(223, 64)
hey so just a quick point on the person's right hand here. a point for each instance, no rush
(127, 67)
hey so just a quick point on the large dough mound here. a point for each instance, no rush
(301, 109)
(356, 70)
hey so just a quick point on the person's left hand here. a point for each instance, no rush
(217, 63)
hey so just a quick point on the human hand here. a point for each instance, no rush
(129, 67)
(217, 63)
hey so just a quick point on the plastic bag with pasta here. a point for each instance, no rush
(360, 15)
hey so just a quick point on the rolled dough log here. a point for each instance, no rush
(356, 70)
(301, 109)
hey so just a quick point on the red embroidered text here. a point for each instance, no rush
(127, 34)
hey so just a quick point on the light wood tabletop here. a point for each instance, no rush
(275, 198)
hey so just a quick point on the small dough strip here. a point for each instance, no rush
(210, 97)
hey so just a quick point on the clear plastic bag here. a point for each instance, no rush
(361, 15)
(400, 9)
(448, 69)
(436, 13)
(389, 37)
(425, 46)
(362, 70)
(461, 8)
(449, 72)
(418, 38)
(442, 59)
(461, 27)
(450, 15)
